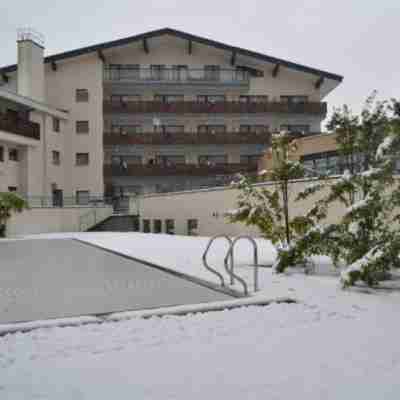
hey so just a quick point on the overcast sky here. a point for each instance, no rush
(355, 38)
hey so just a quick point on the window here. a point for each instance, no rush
(56, 157)
(170, 226)
(253, 129)
(1, 154)
(296, 128)
(56, 125)
(12, 188)
(212, 72)
(82, 126)
(157, 226)
(211, 129)
(13, 155)
(82, 95)
(82, 158)
(324, 163)
(82, 197)
(146, 226)
(126, 129)
(294, 99)
(157, 72)
(253, 99)
(179, 72)
(192, 226)
(129, 71)
(168, 98)
(170, 160)
(249, 159)
(169, 129)
(211, 160)
(217, 98)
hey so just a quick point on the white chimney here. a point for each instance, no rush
(30, 81)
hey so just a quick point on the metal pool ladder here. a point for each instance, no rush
(230, 254)
(205, 263)
(229, 261)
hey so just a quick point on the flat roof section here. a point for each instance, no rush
(59, 278)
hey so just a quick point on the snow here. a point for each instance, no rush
(263, 172)
(358, 204)
(370, 172)
(384, 146)
(332, 344)
(359, 265)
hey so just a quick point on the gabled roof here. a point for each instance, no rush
(189, 37)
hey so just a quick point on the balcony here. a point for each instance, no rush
(20, 127)
(226, 107)
(192, 77)
(177, 169)
(188, 138)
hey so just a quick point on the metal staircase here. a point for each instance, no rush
(229, 262)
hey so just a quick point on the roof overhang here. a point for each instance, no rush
(190, 38)
(33, 104)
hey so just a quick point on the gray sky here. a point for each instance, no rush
(354, 38)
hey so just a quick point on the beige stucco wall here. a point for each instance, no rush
(48, 220)
(209, 207)
(85, 72)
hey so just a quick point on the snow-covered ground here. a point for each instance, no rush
(332, 344)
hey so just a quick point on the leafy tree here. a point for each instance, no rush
(9, 203)
(366, 238)
(268, 208)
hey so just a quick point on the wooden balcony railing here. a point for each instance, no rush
(19, 127)
(226, 107)
(177, 169)
(189, 138)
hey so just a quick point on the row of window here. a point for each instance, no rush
(137, 129)
(173, 72)
(13, 154)
(170, 160)
(169, 226)
(215, 98)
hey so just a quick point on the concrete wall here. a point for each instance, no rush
(49, 220)
(209, 206)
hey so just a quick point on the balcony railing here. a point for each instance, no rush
(226, 107)
(177, 169)
(191, 76)
(20, 127)
(189, 138)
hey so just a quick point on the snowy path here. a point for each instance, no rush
(335, 344)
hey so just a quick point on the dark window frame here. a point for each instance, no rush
(80, 163)
(79, 127)
(56, 157)
(157, 226)
(146, 226)
(81, 95)
(13, 154)
(56, 124)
